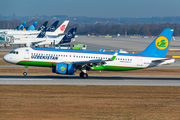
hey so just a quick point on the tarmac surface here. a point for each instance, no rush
(92, 80)
(125, 43)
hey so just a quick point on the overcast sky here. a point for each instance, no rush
(92, 8)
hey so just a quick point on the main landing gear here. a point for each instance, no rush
(83, 73)
(25, 73)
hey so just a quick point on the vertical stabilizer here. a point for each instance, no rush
(22, 26)
(33, 26)
(62, 27)
(42, 33)
(43, 26)
(159, 47)
(69, 35)
(53, 27)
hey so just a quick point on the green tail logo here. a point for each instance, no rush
(162, 43)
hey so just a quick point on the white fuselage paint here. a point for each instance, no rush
(42, 41)
(29, 54)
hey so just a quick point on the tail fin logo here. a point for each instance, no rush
(162, 43)
(62, 27)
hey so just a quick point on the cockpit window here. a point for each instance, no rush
(14, 52)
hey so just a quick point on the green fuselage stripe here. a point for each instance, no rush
(120, 68)
(50, 64)
(35, 63)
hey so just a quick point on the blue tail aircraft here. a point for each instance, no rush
(53, 27)
(22, 26)
(32, 27)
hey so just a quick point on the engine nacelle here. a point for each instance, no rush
(64, 68)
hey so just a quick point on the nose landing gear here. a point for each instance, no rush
(25, 73)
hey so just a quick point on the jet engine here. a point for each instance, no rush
(64, 68)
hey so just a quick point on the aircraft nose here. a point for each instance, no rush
(5, 58)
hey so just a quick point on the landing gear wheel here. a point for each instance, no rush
(85, 75)
(81, 74)
(26, 68)
(25, 73)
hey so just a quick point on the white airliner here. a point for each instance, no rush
(65, 61)
(41, 40)
(60, 30)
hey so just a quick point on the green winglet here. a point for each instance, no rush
(113, 58)
(115, 55)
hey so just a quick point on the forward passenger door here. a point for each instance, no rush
(26, 54)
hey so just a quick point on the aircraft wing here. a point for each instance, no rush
(91, 63)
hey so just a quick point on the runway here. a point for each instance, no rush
(92, 80)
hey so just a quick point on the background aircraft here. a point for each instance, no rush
(60, 30)
(32, 27)
(42, 26)
(41, 40)
(65, 61)
(53, 27)
(21, 27)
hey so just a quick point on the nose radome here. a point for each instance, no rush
(8, 58)
(5, 58)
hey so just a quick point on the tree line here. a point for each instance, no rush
(134, 29)
(152, 29)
